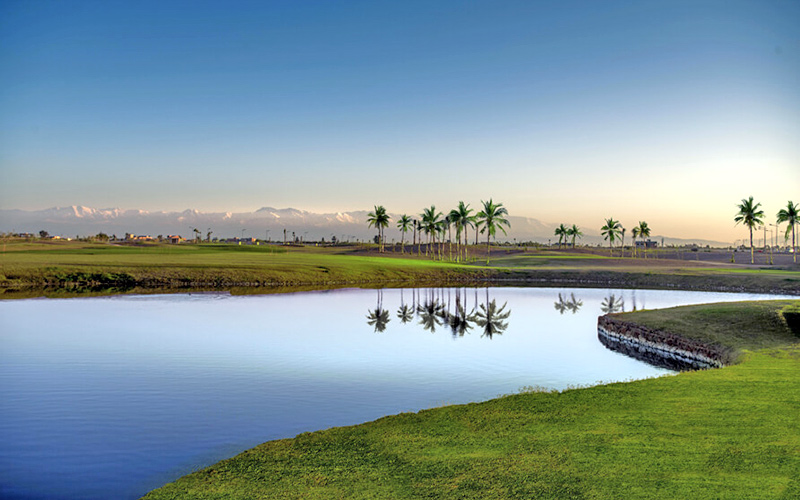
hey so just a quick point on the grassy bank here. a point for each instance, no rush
(61, 264)
(726, 433)
(62, 267)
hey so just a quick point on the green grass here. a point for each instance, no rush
(730, 433)
(737, 325)
(210, 265)
(63, 266)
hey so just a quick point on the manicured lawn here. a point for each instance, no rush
(210, 264)
(727, 433)
(64, 267)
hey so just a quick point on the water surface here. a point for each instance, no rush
(111, 397)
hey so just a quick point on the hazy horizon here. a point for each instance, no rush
(268, 223)
(669, 112)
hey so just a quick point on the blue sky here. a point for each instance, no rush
(669, 112)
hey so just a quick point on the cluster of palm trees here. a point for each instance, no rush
(613, 230)
(751, 216)
(435, 226)
(434, 310)
(563, 232)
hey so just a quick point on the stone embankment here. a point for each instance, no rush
(659, 347)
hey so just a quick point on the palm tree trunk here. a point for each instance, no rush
(458, 244)
(402, 248)
(794, 245)
(488, 246)
(449, 243)
(752, 261)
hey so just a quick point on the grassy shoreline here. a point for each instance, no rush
(58, 269)
(723, 433)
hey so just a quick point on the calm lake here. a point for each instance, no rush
(111, 397)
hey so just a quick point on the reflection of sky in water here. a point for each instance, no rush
(109, 397)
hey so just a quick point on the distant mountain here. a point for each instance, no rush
(265, 222)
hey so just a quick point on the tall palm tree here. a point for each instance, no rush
(644, 232)
(403, 224)
(444, 228)
(492, 217)
(561, 231)
(417, 231)
(460, 217)
(789, 214)
(610, 231)
(379, 219)
(575, 232)
(750, 216)
(429, 224)
(634, 235)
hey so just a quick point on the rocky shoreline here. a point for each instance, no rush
(658, 347)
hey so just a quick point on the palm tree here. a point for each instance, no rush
(444, 229)
(379, 219)
(750, 216)
(417, 230)
(610, 232)
(403, 224)
(575, 232)
(644, 232)
(429, 224)
(634, 234)
(789, 214)
(561, 231)
(492, 218)
(460, 217)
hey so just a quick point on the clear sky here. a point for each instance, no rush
(664, 111)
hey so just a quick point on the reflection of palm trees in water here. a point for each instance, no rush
(612, 304)
(460, 322)
(490, 318)
(405, 313)
(429, 312)
(378, 318)
(572, 304)
(635, 308)
(434, 310)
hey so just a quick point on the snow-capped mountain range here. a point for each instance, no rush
(266, 222)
